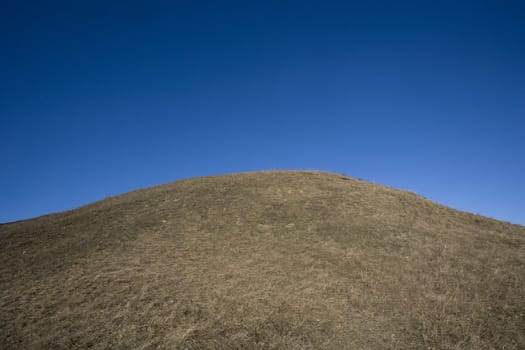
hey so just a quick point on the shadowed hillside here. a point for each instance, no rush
(267, 260)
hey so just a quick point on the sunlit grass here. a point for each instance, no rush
(269, 260)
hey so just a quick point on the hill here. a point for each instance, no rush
(265, 260)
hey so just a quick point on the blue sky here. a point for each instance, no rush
(102, 97)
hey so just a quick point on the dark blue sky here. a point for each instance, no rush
(102, 97)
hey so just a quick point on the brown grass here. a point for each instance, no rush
(268, 260)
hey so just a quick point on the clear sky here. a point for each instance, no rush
(98, 98)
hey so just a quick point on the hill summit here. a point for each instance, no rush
(263, 260)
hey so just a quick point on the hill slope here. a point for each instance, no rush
(267, 260)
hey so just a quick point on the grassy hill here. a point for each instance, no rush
(266, 260)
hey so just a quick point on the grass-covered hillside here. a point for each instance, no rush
(266, 260)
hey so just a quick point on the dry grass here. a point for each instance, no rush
(270, 260)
